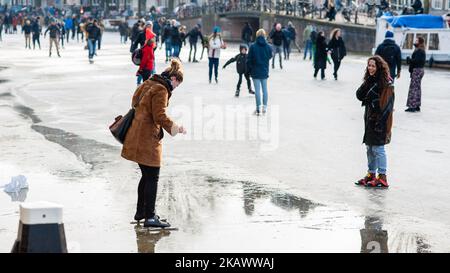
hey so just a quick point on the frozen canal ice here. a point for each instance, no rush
(225, 185)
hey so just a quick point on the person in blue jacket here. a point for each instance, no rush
(258, 59)
(68, 24)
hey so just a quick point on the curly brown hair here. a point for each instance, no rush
(382, 75)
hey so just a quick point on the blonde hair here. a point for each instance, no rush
(174, 70)
(261, 32)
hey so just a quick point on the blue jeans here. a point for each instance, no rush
(139, 79)
(308, 48)
(91, 47)
(176, 50)
(168, 49)
(376, 159)
(258, 83)
(213, 63)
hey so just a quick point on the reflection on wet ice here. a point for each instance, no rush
(146, 239)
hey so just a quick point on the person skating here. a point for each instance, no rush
(123, 31)
(193, 37)
(92, 33)
(392, 54)
(54, 35)
(377, 96)
(1, 28)
(308, 42)
(337, 50)
(36, 30)
(166, 39)
(101, 26)
(26, 29)
(277, 37)
(416, 65)
(286, 43)
(241, 69)
(215, 45)
(258, 60)
(247, 34)
(62, 33)
(150, 101)
(321, 55)
(68, 25)
(175, 38)
(146, 66)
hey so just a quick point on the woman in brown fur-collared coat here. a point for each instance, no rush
(143, 140)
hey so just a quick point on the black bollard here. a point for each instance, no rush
(41, 229)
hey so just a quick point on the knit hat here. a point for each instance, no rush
(216, 29)
(389, 34)
(241, 46)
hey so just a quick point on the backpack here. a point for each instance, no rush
(136, 56)
(388, 54)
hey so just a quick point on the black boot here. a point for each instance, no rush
(237, 93)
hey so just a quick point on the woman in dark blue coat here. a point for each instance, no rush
(258, 59)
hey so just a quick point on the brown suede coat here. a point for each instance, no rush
(143, 140)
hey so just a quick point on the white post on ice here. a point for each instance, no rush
(41, 229)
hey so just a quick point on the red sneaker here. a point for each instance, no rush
(368, 178)
(380, 182)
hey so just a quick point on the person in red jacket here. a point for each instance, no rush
(147, 60)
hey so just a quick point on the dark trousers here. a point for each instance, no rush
(36, 40)
(322, 72)
(99, 41)
(192, 45)
(247, 77)
(147, 190)
(337, 64)
(213, 63)
(67, 35)
(145, 74)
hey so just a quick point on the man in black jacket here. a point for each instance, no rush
(193, 35)
(55, 33)
(277, 37)
(391, 53)
(93, 33)
(247, 34)
(241, 68)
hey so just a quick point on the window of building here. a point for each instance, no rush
(434, 41)
(409, 41)
(436, 4)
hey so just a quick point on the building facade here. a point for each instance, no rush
(439, 7)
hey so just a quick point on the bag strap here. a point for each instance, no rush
(140, 98)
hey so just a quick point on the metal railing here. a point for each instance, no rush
(354, 13)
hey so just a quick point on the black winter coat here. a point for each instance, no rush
(320, 58)
(193, 35)
(241, 63)
(27, 29)
(391, 53)
(337, 47)
(377, 114)
(277, 37)
(417, 60)
(247, 33)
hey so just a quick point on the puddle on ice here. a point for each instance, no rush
(215, 215)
